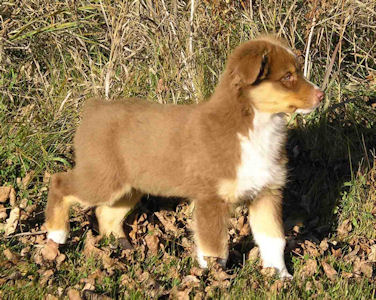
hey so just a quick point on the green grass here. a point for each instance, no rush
(55, 55)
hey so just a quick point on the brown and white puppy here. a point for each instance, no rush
(225, 151)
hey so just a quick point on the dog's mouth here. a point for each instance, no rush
(305, 111)
(317, 99)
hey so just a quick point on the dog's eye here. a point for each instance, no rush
(287, 77)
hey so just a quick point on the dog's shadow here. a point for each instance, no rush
(324, 154)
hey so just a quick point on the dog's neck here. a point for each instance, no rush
(230, 102)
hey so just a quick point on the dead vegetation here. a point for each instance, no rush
(55, 54)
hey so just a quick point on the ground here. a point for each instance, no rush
(56, 54)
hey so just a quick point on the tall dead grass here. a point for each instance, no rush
(108, 46)
(53, 54)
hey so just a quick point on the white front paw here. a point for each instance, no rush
(284, 274)
(58, 236)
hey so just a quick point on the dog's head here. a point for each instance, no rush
(268, 73)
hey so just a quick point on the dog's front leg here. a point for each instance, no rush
(265, 214)
(211, 230)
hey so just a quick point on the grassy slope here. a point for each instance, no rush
(54, 55)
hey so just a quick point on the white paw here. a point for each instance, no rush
(58, 236)
(284, 274)
(201, 260)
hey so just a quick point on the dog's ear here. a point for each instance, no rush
(250, 69)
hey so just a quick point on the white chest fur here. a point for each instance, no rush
(260, 154)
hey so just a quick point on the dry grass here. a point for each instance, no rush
(55, 54)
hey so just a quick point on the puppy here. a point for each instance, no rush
(219, 153)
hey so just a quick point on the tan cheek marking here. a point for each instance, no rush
(268, 99)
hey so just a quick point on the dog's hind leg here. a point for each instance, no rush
(211, 230)
(60, 198)
(110, 217)
(265, 216)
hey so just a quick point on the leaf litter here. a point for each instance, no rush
(166, 235)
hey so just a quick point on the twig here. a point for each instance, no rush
(308, 47)
(191, 28)
(191, 46)
(65, 100)
(287, 16)
(330, 67)
(27, 234)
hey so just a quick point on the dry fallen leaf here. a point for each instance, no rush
(91, 250)
(59, 259)
(26, 180)
(269, 272)
(311, 248)
(366, 269)
(46, 177)
(152, 241)
(308, 286)
(353, 254)
(3, 215)
(90, 242)
(25, 251)
(180, 294)
(324, 245)
(89, 287)
(347, 275)
(245, 230)
(12, 221)
(277, 286)
(10, 255)
(93, 296)
(329, 270)
(46, 275)
(344, 228)
(127, 281)
(197, 271)
(74, 294)
(4, 193)
(50, 250)
(190, 281)
(309, 269)
(167, 221)
(372, 254)
(23, 203)
(337, 252)
(37, 257)
(12, 197)
(253, 254)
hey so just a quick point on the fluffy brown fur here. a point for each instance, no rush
(126, 148)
